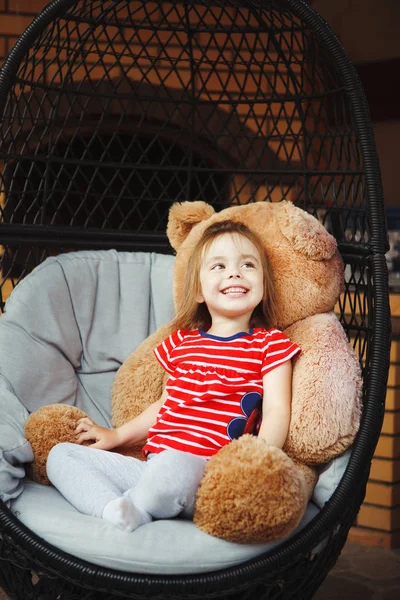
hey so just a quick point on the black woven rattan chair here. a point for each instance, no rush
(112, 110)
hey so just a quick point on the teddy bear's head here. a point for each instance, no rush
(306, 265)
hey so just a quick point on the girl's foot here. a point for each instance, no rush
(124, 514)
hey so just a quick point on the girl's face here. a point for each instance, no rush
(231, 277)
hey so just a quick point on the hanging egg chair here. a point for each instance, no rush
(111, 111)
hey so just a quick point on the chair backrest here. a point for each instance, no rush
(113, 110)
(75, 319)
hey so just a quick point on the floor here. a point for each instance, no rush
(365, 573)
(361, 573)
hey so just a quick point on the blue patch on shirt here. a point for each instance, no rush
(250, 402)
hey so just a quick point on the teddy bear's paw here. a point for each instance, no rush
(251, 492)
(48, 426)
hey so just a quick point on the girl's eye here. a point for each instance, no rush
(217, 267)
(248, 265)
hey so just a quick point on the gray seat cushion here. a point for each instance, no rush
(173, 546)
(68, 327)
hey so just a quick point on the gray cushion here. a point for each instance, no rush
(74, 320)
(15, 450)
(170, 546)
(329, 477)
(68, 327)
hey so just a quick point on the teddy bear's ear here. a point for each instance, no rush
(183, 216)
(304, 232)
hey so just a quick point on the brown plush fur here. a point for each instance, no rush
(47, 427)
(317, 434)
(252, 492)
(258, 487)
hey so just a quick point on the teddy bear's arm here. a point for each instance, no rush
(326, 393)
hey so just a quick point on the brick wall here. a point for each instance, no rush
(15, 16)
(378, 522)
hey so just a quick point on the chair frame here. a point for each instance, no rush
(31, 568)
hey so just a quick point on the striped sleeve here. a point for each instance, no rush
(278, 350)
(163, 352)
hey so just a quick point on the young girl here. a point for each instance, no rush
(225, 360)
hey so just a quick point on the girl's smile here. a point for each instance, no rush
(233, 291)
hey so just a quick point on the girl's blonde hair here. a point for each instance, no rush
(193, 315)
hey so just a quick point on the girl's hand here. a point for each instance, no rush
(104, 438)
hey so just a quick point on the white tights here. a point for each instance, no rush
(124, 490)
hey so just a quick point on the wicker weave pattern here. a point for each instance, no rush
(119, 108)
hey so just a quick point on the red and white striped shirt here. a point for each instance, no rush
(213, 386)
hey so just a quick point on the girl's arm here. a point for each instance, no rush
(276, 405)
(132, 432)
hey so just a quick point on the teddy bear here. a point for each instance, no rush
(252, 492)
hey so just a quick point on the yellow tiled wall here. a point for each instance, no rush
(378, 522)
